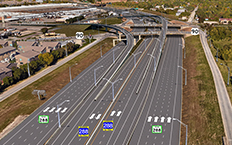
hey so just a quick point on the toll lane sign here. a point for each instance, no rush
(156, 128)
(108, 125)
(83, 131)
(43, 119)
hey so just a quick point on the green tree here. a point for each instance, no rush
(8, 81)
(47, 58)
(33, 66)
(17, 74)
(70, 47)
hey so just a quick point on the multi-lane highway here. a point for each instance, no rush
(147, 91)
(32, 132)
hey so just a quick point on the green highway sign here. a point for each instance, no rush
(156, 128)
(43, 119)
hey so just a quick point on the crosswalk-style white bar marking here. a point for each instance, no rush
(64, 110)
(58, 110)
(52, 109)
(45, 110)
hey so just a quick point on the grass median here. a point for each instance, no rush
(23, 102)
(200, 108)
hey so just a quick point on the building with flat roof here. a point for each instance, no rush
(5, 71)
(26, 57)
(5, 52)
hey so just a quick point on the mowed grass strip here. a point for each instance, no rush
(200, 108)
(223, 69)
(23, 102)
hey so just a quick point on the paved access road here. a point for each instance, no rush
(223, 97)
(32, 132)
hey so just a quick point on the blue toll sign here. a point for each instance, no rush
(83, 131)
(108, 125)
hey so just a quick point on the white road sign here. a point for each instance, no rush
(79, 35)
(194, 31)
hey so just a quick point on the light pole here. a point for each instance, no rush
(28, 69)
(113, 52)
(186, 129)
(185, 74)
(135, 57)
(101, 48)
(66, 50)
(112, 86)
(184, 50)
(228, 80)
(70, 72)
(95, 74)
(154, 61)
(59, 111)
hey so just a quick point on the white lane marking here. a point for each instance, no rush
(156, 119)
(58, 110)
(25, 140)
(20, 137)
(37, 127)
(64, 110)
(45, 110)
(91, 117)
(149, 118)
(26, 131)
(112, 113)
(162, 119)
(119, 112)
(169, 120)
(98, 116)
(52, 109)
(32, 125)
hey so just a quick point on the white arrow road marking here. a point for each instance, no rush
(91, 117)
(169, 119)
(64, 110)
(156, 119)
(98, 116)
(52, 109)
(45, 110)
(119, 112)
(112, 113)
(149, 119)
(58, 110)
(162, 119)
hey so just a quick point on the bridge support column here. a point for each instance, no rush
(117, 32)
(113, 42)
(106, 28)
(120, 36)
(134, 41)
(139, 37)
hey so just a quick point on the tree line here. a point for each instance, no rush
(43, 60)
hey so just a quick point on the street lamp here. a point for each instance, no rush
(135, 57)
(154, 61)
(101, 48)
(186, 129)
(28, 69)
(70, 72)
(112, 86)
(185, 74)
(59, 111)
(95, 74)
(228, 74)
(184, 50)
(113, 52)
(66, 50)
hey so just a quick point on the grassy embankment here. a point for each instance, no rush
(23, 102)
(70, 30)
(223, 68)
(200, 108)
